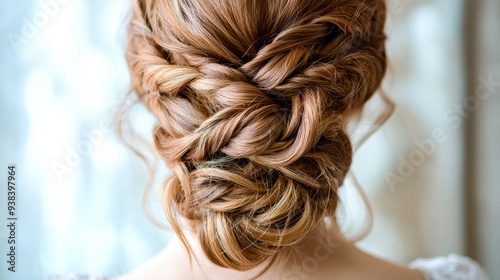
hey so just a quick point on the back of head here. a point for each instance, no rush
(251, 99)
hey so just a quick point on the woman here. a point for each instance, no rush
(252, 100)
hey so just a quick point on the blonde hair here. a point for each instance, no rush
(252, 98)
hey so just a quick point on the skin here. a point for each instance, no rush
(312, 259)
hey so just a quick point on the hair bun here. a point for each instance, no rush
(250, 101)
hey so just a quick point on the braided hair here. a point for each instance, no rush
(251, 98)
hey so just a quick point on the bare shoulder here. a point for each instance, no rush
(347, 262)
(363, 265)
(320, 261)
(148, 269)
(161, 266)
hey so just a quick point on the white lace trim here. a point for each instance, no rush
(451, 267)
(74, 276)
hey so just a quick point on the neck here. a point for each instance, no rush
(316, 246)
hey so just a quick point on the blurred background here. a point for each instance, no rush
(431, 173)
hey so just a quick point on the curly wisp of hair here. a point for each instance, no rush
(251, 99)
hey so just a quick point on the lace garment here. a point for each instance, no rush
(451, 267)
